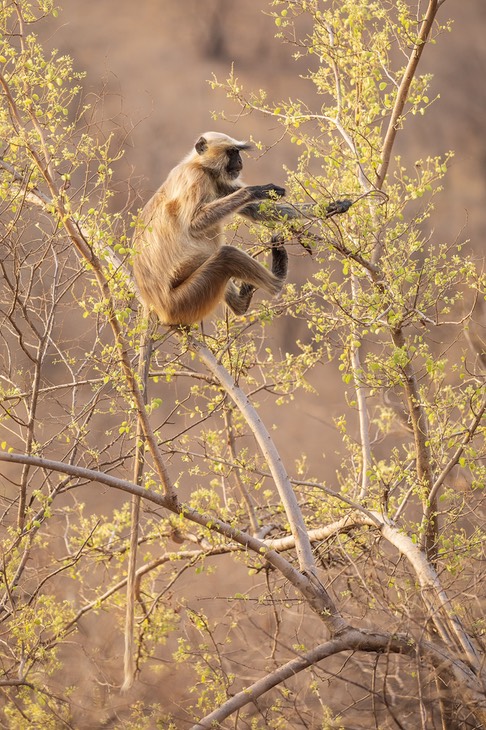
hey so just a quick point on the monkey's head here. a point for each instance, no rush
(220, 154)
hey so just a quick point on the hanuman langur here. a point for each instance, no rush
(181, 265)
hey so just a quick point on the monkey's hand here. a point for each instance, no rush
(266, 192)
(337, 207)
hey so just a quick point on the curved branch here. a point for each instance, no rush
(442, 614)
(269, 451)
(353, 640)
(308, 585)
(350, 641)
(91, 475)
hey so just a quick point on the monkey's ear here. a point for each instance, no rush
(201, 146)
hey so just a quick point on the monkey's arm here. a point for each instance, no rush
(213, 213)
(271, 212)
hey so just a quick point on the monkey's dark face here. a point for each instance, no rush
(234, 163)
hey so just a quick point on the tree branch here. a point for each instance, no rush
(308, 585)
(269, 451)
(351, 640)
(403, 91)
(435, 598)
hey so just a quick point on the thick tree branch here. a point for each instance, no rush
(269, 451)
(403, 91)
(308, 585)
(433, 594)
(352, 640)
(442, 614)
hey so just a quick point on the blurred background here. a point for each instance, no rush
(149, 63)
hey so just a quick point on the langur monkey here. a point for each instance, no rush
(182, 267)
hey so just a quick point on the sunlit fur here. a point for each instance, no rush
(182, 267)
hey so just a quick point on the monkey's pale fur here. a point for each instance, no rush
(181, 264)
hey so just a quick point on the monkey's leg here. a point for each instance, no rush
(195, 296)
(239, 300)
